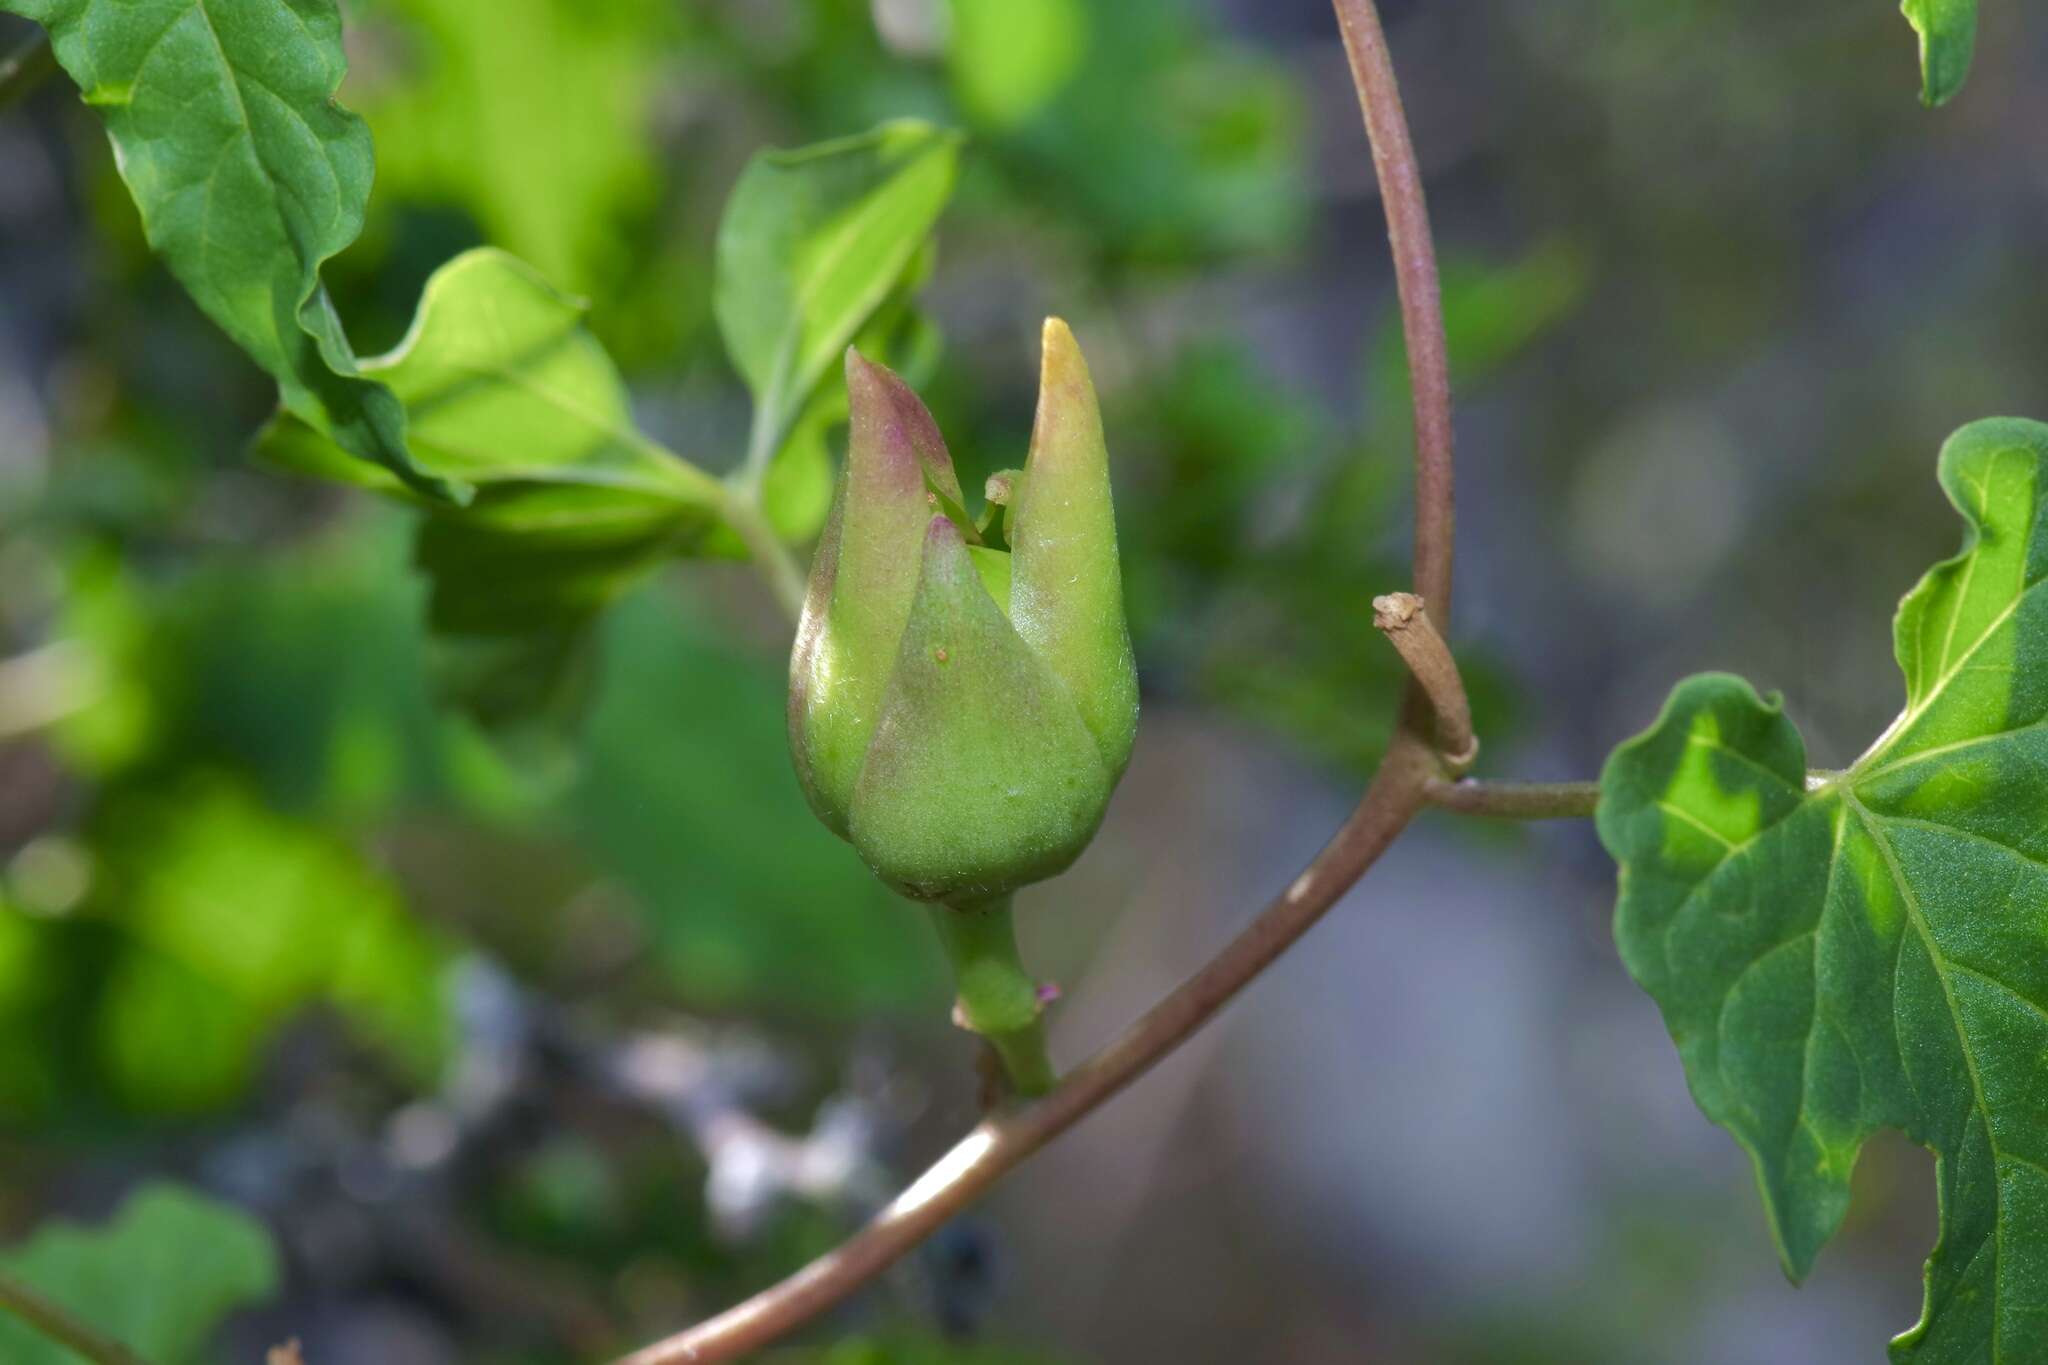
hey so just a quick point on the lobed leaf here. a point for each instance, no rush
(158, 1277)
(1864, 949)
(248, 175)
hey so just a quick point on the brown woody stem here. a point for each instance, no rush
(1001, 1143)
(1422, 311)
(1515, 800)
(1404, 620)
(1396, 793)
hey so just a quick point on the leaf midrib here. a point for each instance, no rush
(245, 131)
(678, 477)
(842, 244)
(1873, 762)
(1913, 714)
(792, 362)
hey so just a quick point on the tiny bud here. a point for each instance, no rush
(1394, 610)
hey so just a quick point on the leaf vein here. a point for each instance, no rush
(1917, 916)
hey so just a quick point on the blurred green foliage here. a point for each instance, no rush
(452, 90)
(258, 805)
(156, 1277)
(686, 792)
(505, 391)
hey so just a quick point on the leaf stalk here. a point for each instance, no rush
(56, 1322)
(770, 557)
(1515, 800)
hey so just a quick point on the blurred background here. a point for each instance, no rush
(527, 1050)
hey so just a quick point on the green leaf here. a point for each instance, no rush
(1150, 133)
(158, 1277)
(813, 243)
(1948, 39)
(507, 391)
(1864, 949)
(748, 901)
(796, 494)
(248, 176)
(1008, 60)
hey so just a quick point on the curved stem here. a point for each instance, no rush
(770, 557)
(26, 67)
(1390, 802)
(56, 1322)
(1422, 312)
(1000, 1144)
(1515, 800)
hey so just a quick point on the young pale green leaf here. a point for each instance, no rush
(506, 391)
(158, 1277)
(1864, 949)
(1948, 39)
(796, 494)
(813, 242)
(248, 176)
(548, 179)
(1009, 60)
(501, 384)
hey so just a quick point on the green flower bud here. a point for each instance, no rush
(960, 713)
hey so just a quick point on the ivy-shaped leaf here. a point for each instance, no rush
(248, 176)
(506, 391)
(813, 242)
(158, 1277)
(1849, 951)
(1948, 40)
